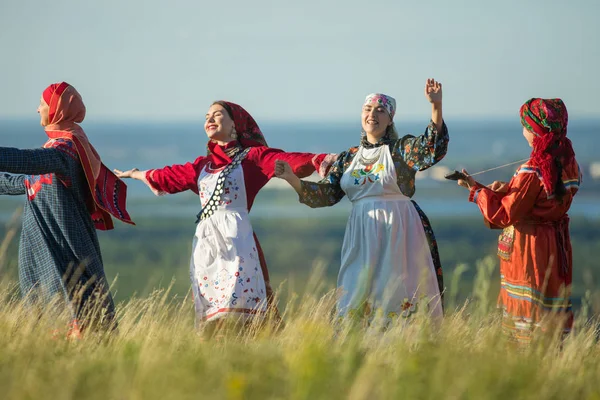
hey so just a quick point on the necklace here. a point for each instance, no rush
(233, 151)
(371, 160)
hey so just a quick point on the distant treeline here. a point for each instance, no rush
(157, 250)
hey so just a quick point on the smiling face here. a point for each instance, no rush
(375, 120)
(44, 111)
(218, 124)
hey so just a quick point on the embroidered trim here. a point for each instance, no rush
(215, 198)
(34, 184)
(506, 242)
(325, 164)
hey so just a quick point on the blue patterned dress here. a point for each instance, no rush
(59, 253)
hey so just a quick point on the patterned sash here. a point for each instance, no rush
(506, 242)
(215, 198)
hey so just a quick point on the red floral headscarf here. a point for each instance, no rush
(248, 132)
(547, 119)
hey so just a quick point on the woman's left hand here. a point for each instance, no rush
(469, 182)
(433, 91)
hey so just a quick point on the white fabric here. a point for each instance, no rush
(225, 266)
(386, 265)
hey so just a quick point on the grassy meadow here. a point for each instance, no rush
(158, 353)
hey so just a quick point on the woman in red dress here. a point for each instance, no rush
(228, 271)
(535, 253)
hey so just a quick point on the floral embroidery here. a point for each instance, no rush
(368, 174)
(410, 154)
(408, 308)
(34, 184)
(230, 190)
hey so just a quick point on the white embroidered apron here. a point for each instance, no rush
(386, 266)
(225, 267)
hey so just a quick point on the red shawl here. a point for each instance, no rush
(108, 193)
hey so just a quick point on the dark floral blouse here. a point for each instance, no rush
(410, 154)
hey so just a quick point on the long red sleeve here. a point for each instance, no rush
(505, 209)
(176, 178)
(302, 163)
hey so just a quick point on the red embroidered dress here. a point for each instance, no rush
(535, 248)
(228, 271)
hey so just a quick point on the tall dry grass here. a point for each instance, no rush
(157, 353)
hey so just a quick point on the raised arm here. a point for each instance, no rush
(424, 151)
(170, 179)
(33, 161)
(325, 193)
(12, 184)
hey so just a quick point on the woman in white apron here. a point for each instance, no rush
(227, 268)
(390, 265)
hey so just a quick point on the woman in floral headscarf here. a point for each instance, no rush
(228, 271)
(534, 247)
(390, 263)
(70, 194)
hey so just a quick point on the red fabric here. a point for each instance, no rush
(538, 272)
(258, 168)
(249, 134)
(547, 119)
(107, 192)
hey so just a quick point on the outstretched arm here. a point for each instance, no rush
(33, 161)
(325, 193)
(12, 184)
(138, 175)
(171, 179)
(302, 164)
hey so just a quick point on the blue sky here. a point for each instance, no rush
(301, 60)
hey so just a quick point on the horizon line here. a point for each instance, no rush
(189, 120)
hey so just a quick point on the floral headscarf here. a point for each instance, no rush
(248, 132)
(389, 103)
(547, 119)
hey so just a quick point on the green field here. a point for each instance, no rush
(157, 353)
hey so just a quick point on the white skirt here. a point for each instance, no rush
(227, 278)
(386, 267)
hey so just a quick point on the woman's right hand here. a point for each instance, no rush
(125, 174)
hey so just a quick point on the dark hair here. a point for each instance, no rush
(559, 187)
(225, 106)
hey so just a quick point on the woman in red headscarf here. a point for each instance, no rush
(228, 271)
(535, 248)
(70, 194)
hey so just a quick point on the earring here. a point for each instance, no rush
(234, 135)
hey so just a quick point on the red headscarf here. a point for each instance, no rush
(248, 132)
(547, 119)
(109, 193)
